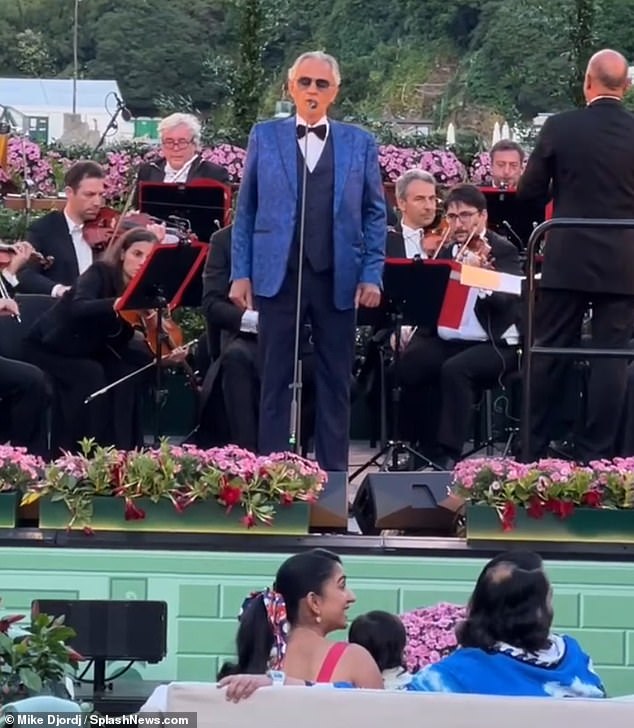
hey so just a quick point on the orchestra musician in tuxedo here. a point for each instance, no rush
(458, 363)
(507, 163)
(585, 158)
(344, 250)
(179, 136)
(236, 369)
(60, 234)
(417, 201)
(25, 394)
(83, 344)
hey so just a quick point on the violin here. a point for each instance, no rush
(101, 231)
(170, 337)
(435, 237)
(475, 251)
(8, 251)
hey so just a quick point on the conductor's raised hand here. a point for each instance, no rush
(241, 293)
(368, 295)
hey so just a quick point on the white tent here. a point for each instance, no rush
(47, 103)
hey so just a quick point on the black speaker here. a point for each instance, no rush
(417, 502)
(330, 511)
(111, 630)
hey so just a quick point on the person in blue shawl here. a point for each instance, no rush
(506, 646)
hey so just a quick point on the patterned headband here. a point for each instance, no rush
(276, 614)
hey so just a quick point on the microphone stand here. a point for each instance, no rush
(26, 185)
(112, 124)
(294, 438)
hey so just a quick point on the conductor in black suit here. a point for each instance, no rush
(585, 158)
(182, 162)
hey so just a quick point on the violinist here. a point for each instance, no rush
(60, 234)
(182, 162)
(417, 201)
(83, 344)
(482, 350)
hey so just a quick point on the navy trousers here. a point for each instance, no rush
(333, 341)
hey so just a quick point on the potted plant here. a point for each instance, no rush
(548, 500)
(18, 471)
(34, 659)
(431, 634)
(176, 488)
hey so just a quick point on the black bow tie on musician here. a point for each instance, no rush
(319, 131)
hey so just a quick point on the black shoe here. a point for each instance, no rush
(564, 449)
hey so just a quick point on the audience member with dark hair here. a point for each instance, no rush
(383, 635)
(285, 629)
(506, 643)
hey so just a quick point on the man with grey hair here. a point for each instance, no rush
(179, 136)
(416, 198)
(313, 185)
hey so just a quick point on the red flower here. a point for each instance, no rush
(230, 496)
(249, 520)
(88, 531)
(6, 622)
(181, 502)
(132, 511)
(592, 499)
(560, 508)
(286, 499)
(536, 507)
(509, 513)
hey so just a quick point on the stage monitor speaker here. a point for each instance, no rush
(112, 630)
(416, 502)
(330, 512)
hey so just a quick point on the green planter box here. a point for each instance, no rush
(8, 510)
(585, 525)
(108, 515)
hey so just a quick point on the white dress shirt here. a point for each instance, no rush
(178, 175)
(83, 251)
(413, 240)
(311, 146)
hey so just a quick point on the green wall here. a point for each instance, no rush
(594, 601)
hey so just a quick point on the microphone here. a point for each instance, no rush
(125, 112)
(517, 238)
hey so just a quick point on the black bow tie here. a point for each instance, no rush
(320, 130)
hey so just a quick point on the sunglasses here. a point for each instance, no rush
(321, 83)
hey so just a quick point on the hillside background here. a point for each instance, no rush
(466, 61)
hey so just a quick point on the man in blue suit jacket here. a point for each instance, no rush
(325, 174)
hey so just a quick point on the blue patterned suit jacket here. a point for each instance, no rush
(266, 212)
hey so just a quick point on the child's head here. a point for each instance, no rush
(383, 636)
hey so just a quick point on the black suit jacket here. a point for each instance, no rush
(83, 322)
(220, 312)
(50, 235)
(585, 157)
(200, 169)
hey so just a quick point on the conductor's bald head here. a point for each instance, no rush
(607, 74)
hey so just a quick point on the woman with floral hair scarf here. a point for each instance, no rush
(282, 637)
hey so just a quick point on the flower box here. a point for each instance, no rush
(583, 525)
(8, 509)
(162, 517)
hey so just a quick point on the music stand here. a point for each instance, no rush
(413, 295)
(159, 286)
(511, 217)
(204, 203)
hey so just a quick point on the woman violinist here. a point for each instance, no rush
(84, 344)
